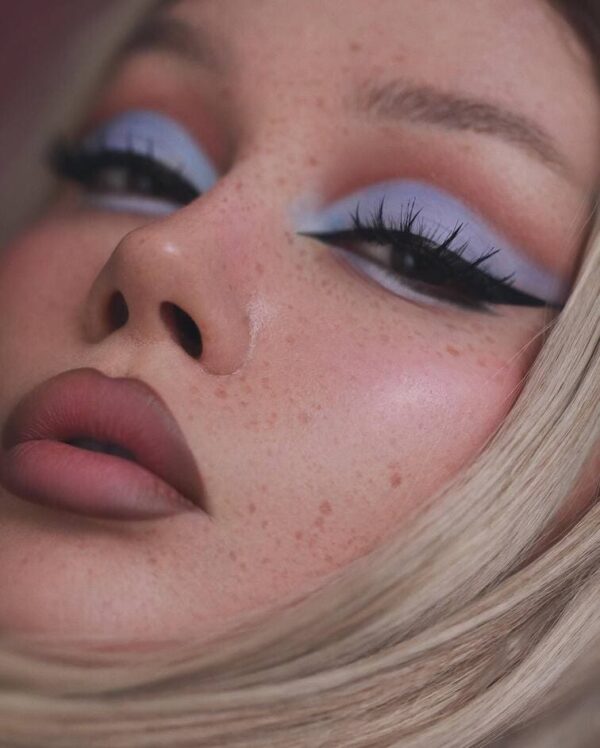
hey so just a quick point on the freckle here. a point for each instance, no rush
(265, 561)
(290, 339)
(244, 403)
(221, 392)
(395, 480)
(260, 268)
(232, 555)
(243, 566)
(452, 350)
(482, 362)
(298, 534)
(489, 339)
(328, 558)
(355, 46)
(312, 161)
(248, 389)
(325, 507)
(264, 523)
(319, 522)
(278, 543)
(251, 507)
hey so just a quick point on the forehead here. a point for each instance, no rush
(517, 53)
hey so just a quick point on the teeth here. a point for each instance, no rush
(95, 446)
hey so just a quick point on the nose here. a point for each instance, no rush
(159, 285)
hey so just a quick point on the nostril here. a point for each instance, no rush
(183, 328)
(118, 314)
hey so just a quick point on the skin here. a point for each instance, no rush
(325, 410)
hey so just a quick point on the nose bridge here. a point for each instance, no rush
(167, 280)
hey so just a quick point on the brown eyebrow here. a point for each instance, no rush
(403, 100)
(163, 33)
(397, 99)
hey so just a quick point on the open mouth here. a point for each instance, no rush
(93, 445)
(83, 410)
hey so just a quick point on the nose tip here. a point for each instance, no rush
(152, 292)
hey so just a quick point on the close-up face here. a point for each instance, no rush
(330, 236)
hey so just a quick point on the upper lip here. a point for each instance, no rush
(127, 412)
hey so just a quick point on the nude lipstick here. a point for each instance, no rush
(99, 446)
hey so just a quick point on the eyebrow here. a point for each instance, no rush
(422, 104)
(393, 100)
(163, 33)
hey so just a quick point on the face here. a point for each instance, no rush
(369, 217)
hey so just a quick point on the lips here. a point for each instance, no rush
(106, 436)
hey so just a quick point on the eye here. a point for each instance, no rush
(423, 244)
(140, 160)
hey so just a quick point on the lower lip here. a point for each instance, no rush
(95, 484)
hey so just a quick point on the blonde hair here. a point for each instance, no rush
(476, 625)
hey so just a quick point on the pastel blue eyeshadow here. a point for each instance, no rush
(439, 215)
(152, 134)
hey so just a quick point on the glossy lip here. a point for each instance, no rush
(127, 412)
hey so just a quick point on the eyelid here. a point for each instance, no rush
(440, 214)
(153, 134)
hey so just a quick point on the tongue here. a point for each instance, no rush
(95, 446)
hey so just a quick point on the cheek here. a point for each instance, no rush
(419, 406)
(45, 276)
(33, 280)
(382, 416)
(33, 290)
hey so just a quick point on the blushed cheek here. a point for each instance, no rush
(412, 415)
(398, 419)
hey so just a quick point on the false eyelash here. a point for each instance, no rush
(83, 165)
(423, 239)
(463, 282)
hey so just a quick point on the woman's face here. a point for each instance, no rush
(344, 377)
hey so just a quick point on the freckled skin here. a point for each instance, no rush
(325, 410)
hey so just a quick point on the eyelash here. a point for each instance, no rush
(438, 269)
(430, 264)
(143, 173)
